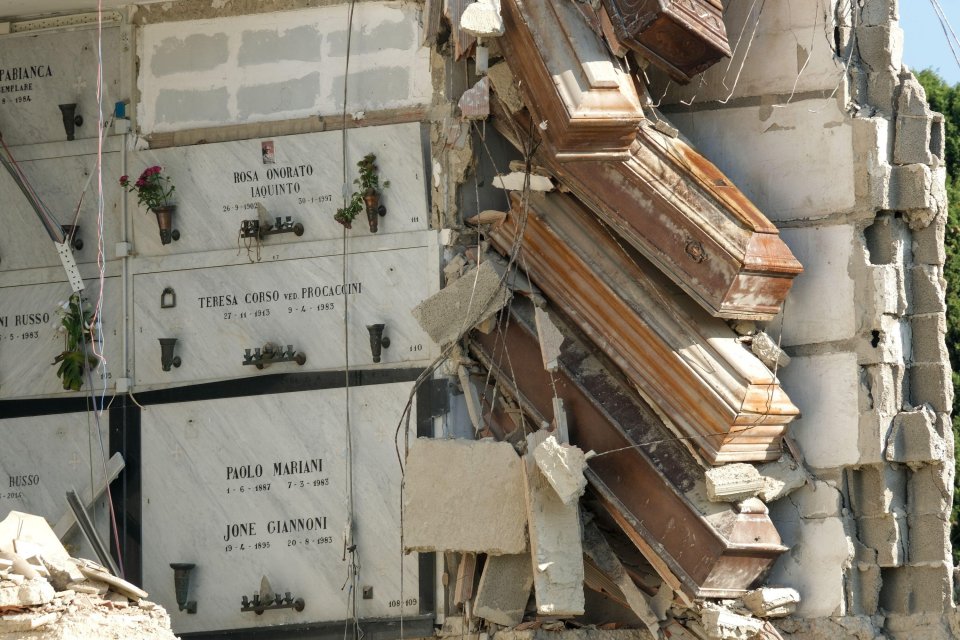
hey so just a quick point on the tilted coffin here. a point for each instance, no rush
(685, 362)
(682, 37)
(645, 477)
(667, 200)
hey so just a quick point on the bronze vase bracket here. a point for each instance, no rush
(71, 119)
(167, 358)
(72, 231)
(378, 341)
(371, 200)
(181, 585)
(165, 223)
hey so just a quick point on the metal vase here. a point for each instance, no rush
(165, 222)
(377, 341)
(167, 359)
(181, 585)
(371, 200)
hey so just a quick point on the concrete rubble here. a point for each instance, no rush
(562, 465)
(504, 589)
(772, 602)
(51, 596)
(733, 482)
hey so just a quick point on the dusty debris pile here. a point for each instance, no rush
(46, 594)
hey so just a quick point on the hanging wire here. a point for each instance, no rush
(945, 25)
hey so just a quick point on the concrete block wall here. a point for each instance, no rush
(843, 154)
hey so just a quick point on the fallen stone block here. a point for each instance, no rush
(455, 309)
(464, 495)
(515, 180)
(555, 542)
(466, 571)
(562, 465)
(28, 593)
(504, 589)
(780, 478)
(722, 624)
(733, 482)
(769, 352)
(482, 19)
(772, 602)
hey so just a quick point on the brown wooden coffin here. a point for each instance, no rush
(650, 484)
(663, 197)
(682, 37)
(687, 363)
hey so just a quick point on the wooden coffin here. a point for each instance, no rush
(687, 363)
(582, 97)
(664, 198)
(650, 484)
(682, 37)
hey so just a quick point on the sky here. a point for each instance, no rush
(924, 43)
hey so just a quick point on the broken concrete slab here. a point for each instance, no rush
(515, 181)
(461, 495)
(482, 19)
(772, 602)
(780, 478)
(505, 86)
(551, 339)
(455, 309)
(475, 102)
(555, 541)
(466, 570)
(562, 465)
(723, 624)
(733, 482)
(504, 589)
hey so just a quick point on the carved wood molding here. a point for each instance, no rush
(651, 485)
(688, 364)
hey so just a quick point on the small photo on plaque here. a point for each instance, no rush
(266, 148)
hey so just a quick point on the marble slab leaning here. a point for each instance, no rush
(44, 457)
(29, 340)
(59, 183)
(40, 71)
(256, 487)
(218, 186)
(222, 311)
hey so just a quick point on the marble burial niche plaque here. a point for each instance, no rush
(256, 487)
(40, 71)
(59, 182)
(29, 337)
(218, 186)
(44, 457)
(222, 311)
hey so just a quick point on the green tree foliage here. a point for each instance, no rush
(946, 99)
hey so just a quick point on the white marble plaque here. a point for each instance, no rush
(256, 486)
(222, 311)
(44, 457)
(218, 186)
(40, 71)
(59, 183)
(29, 340)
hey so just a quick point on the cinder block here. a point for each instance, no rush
(929, 539)
(930, 383)
(928, 243)
(874, 427)
(827, 390)
(917, 589)
(878, 12)
(881, 87)
(886, 293)
(927, 290)
(877, 490)
(928, 490)
(887, 534)
(863, 590)
(818, 500)
(928, 333)
(914, 438)
(881, 46)
(464, 495)
(883, 342)
(913, 128)
(809, 316)
(910, 187)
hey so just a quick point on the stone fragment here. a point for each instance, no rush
(551, 339)
(769, 352)
(19, 565)
(34, 533)
(562, 465)
(464, 495)
(772, 602)
(95, 572)
(455, 309)
(505, 86)
(912, 141)
(482, 19)
(29, 593)
(62, 572)
(489, 216)
(733, 482)
(555, 543)
(463, 590)
(515, 180)
(914, 439)
(722, 624)
(471, 398)
(504, 589)
(780, 478)
(25, 621)
(475, 102)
